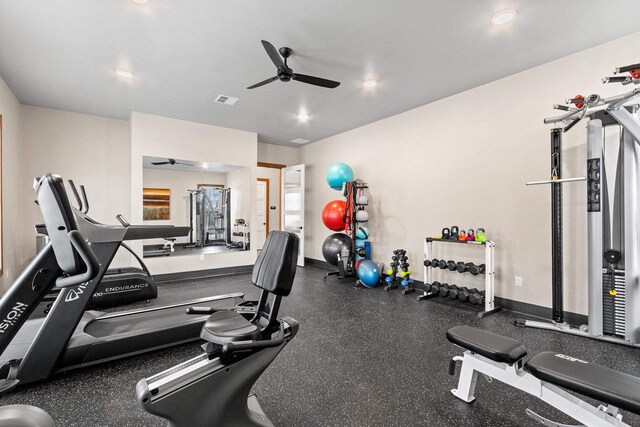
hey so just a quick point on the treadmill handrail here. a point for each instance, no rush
(164, 307)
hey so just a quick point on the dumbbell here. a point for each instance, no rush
(476, 269)
(451, 265)
(434, 262)
(452, 288)
(462, 267)
(427, 262)
(455, 293)
(442, 264)
(476, 298)
(435, 287)
(466, 293)
(444, 290)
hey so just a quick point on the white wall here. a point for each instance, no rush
(271, 153)
(464, 160)
(163, 137)
(179, 182)
(12, 224)
(240, 183)
(91, 150)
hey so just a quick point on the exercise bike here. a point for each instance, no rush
(213, 388)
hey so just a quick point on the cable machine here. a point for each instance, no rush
(612, 214)
(210, 210)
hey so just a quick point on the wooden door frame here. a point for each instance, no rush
(266, 213)
(279, 167)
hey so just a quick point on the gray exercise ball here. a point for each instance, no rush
(333, 245)
(24, 416)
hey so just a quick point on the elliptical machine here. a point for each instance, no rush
(213, 388)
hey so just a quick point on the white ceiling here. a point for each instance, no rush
(184, 165)
(62, 54)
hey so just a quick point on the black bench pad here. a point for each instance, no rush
(595, 381)
(492, 346)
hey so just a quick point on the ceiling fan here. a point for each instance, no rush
(171, 162)
(285, 73)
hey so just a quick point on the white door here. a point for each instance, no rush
(293, 201)
(261, 214)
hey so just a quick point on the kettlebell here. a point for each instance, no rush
(471, 235)
(446, 233)
(462, 235)
(455, 231)
(481, 235)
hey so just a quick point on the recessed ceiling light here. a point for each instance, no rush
(205, 166)
(303, 117)
(503, 17)
(140, 1)
(299, 141)
(124, 74)
(369, 83)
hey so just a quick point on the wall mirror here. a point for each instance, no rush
(210, 200)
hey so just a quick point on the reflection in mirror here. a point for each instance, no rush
(212, 199)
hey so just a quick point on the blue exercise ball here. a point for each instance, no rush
(338, 174)
(369, 273)
(362, 233)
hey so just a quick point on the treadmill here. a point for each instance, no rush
(71, 337)
(123, 285)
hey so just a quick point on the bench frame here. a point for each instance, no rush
(515, 376)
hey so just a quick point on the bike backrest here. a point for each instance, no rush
(59, 220)
(275, 267)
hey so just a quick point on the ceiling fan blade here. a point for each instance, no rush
(160, 163)
(273, 54)
(316, 81)
(264, 82)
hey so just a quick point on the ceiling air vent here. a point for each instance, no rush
(299, 141)
(227, 100)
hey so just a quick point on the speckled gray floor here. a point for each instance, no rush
(361, 358)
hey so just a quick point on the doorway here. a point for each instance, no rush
(262, 212)
(273, 172)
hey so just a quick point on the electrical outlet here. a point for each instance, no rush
(518, 280)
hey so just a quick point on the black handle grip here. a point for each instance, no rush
(254, 345)
(615, 79)
(626, 68)
(88, 258)
(561, 107)
(574, 122)
(201, 310)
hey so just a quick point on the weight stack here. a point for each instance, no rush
(613, 306)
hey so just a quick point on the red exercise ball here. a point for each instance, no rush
(333, 215)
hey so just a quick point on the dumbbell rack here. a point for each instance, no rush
(489, 274)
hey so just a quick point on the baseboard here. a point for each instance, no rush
(318, 263)
(539, 311)
(201, 274)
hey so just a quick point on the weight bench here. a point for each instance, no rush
(548, 376)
